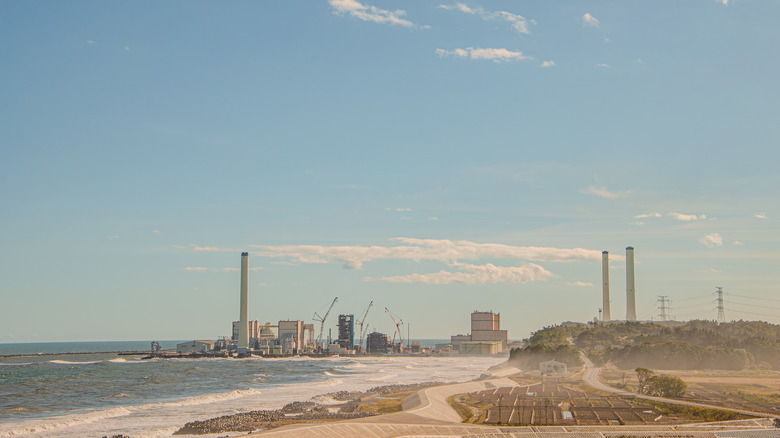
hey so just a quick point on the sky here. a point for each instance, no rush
(435, 158)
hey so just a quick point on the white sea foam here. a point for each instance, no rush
(162, 419)
(67, 362)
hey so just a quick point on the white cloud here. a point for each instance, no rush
(127, 48)
(398, 209)
(687, 217)
(590, 20)
(156, 231)
(760, 216)
(417, 250)
(229, 269)
(546, 64)
(113, 237)
(196, 268)
(518, 22)
(723, 2)
(494, 54)
(580, 284)
(604, 193)
(738, 243)
(476, 274)
(370, 13)
(712, 240)
(212, 249)
(639, 223)
(645, 215)
(602, 65)
(90, 42)
(433, 218)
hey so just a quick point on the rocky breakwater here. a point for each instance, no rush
(264, 420)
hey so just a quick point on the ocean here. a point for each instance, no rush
(92, 395)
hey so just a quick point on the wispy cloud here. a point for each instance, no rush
(91, 42)
(760, 216)
(518, 22)
(433, 218)
(114, 237)
(370, 13)
(712, 240)
(723, 2)
(590, 20)
(602, 65)
(546, 64)
(646, 215)
(475, 274)
(687, 217)
(496, 55)
(580, 284)
(604, 193)
(417, 250)
(196, 268)
(737, 242)
(398, 209)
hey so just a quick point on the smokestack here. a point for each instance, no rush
(243, 320)
(605, 280)
(630, 291)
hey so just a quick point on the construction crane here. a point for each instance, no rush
(397, 322)
(362, 320)
(321, 320)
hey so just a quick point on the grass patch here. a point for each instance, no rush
(694, 412)
(465, 413)
(384, 404)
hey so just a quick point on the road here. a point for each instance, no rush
(592, 379)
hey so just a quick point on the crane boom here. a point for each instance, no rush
(322, 319)
(397, 323)
(362, 320)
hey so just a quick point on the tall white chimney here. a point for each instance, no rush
(606, 316)
(243, 320)
(630, 291)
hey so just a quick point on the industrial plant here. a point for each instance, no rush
(353, 337)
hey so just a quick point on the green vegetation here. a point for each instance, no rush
(465, 413)
(695, 412)
(664, 386)
(531, 356)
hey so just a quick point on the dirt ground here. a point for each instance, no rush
(757, 390)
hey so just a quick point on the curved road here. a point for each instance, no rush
(592, 379)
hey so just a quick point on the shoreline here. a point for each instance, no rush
(348, 406)
(157, 419)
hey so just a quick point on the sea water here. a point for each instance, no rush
(92, 395)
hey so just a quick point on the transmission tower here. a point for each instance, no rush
(721, 313)
(664, 302)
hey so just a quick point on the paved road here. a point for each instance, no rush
(592, 379)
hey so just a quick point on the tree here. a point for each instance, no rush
(668, 386)
(644, 376)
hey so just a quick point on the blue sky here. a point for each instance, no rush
(434, 157)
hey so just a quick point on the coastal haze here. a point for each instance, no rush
(456, 173)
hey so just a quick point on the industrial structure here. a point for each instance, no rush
(630, 291)
(606, 315)
(347, 332)
(486, 336)
(243, 319)
(377, 343)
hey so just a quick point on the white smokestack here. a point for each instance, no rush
(243, 320)
(630, 291)
(606, 316)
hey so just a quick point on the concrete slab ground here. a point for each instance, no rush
(427, 414)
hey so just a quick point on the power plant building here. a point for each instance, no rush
(347, 332)
(254, 329)
(485, 329)
(290, 336)
(377, 343)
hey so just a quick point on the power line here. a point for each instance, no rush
(753, 305)
(752, 298)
